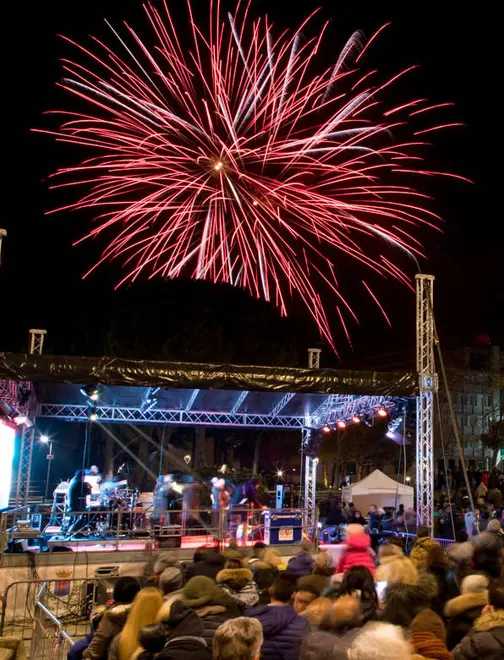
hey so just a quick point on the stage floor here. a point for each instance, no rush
(93, 544)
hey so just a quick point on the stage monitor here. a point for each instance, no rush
(7, 435)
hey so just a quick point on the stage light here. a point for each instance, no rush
(356, 419)
(223, 468)
(19, 419)
(93, 417)
(341, 424)
(187, 458)
(279, 474)
(90, 391)
(408, 479)
(382, 412)
(326, 428)
(390, 434)
(44, 439)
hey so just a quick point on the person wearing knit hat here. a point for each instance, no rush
(166, 560)
(170, 580)
(210, 603)
(357, 550)
(462, 611)
(428, 637)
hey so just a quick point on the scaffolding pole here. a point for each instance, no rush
(427, 382)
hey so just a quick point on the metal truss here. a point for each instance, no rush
(314, 358)
(427, 379)
(37, 341)
(310, 489)
(239, 400)
(79, 413)
(338, 406)
(281, 404)
(24, 469)
(192, 399)
(9, 392)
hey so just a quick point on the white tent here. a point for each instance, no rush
(378, 489)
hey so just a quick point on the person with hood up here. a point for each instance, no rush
(114, 619)
(210, 603)
(486, 639)
(238, 583)
(428, 637)
(420, 550)
(357, 550)
(461, 612)
(178, 636)
(283, 629)
(302, 562)
(407, 592)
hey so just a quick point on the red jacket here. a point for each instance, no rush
(358, 553)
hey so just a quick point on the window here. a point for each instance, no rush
(489, 400)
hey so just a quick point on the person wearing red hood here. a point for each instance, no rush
(358, 550)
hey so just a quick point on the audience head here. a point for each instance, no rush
(402, 570)
(359, 578)
(496, 594)
(259, 549)
(324, 564)
(422, 532)
(396, 541)
(428, 621)
(198, 591)
(146, 605)
(380, 641)
(202, 553)
(272, 557)
(307, 590)
(319, 610)
(436, 557)
(345, 612)
(125, 589)
(282, 590)
(350, 530)
(494, 526)
(170, 580)
(238, 639)
(166, 560)
(461, 536)
(473, 584)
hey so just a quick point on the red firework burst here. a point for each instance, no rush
(238, 160)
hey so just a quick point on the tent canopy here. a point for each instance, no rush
(379, 489)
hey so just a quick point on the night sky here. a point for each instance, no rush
(40, 278)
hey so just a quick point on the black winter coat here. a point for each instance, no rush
(404, 601)
(486, 639)
(461, 614)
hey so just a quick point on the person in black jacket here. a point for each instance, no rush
(210, 603)
(461, 612)
(179, 636)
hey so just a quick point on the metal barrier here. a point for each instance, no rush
(113, 529)
(48, 615)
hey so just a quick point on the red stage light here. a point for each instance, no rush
(326, 429)
(382, 412)
(341, 424)
(356, 419)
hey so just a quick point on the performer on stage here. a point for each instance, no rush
(78, 491)
(246, 495)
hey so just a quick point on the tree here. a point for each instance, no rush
(494, 439)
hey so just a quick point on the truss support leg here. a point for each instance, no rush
(310, 490)
(427, 381)
(24, 468)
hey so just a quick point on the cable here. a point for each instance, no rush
(444, 462)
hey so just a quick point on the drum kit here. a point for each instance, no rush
(111, 508)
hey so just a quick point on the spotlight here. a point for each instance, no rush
(90, 391)
(93, 417)
(326, 428)
(382, 412)
(341, 424)
(408, 479)
(19, 419)
(44, 439)
(356, 419)
(279, 474)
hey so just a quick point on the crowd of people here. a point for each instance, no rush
(433, 604)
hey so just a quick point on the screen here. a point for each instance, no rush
(7, 435)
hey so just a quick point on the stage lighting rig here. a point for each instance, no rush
(90, 391)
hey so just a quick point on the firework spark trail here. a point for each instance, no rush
(239, 160)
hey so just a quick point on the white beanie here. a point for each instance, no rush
(473, 584)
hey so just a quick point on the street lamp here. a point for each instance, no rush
(50, 456)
